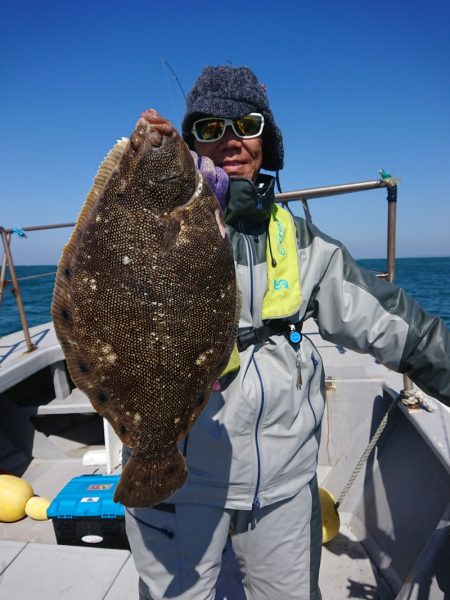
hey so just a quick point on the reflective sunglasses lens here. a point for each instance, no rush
(209, 130)
(248, 126)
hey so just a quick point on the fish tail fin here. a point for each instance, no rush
(148, 481)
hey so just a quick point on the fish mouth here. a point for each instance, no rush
(158, 131)
(152, 126)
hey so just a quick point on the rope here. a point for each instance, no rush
(381, 427)
(408, 398)
(37, 276)
(412, 397)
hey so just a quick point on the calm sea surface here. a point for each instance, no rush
(426, 279)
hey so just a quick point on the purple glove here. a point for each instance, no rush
(215, 176)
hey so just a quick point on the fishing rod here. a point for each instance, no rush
(164, 61)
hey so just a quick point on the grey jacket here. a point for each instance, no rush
(256, 441)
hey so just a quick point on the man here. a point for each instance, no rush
(252, 454)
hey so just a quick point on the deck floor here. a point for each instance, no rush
(41, 571)
(73, 572)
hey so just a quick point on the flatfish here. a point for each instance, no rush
(145, 303)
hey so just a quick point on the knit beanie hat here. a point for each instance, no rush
(233, 92)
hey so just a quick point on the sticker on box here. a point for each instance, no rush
(100, 486)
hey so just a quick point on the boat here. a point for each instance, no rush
(384, 455)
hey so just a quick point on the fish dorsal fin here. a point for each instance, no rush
(104, 172)
(62, 308)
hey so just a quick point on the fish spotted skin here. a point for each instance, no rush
(145, 303)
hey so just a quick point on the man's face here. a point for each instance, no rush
(238, 157)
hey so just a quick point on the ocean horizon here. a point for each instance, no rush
(426, 279)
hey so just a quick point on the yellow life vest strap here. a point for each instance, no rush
(233, 363)
(283, 295)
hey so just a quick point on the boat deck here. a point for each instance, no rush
(72, 572)
(42, 570)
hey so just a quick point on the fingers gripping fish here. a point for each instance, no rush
(145, 302)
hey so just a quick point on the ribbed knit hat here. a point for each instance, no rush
(233, 92)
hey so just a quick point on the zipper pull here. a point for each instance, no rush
(255, 506)
(299, 369)
(295, 337)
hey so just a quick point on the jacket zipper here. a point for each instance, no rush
(315, 362)
(250, 263)
(255, 503)
(250, 259)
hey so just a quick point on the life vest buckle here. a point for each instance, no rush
(249, 336)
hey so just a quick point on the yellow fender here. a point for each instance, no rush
(330, 516)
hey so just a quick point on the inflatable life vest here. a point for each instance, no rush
(283, 295)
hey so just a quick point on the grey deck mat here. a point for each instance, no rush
(70, 572)
(42, 571)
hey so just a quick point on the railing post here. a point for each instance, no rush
(3, 272)
(392, 225)
(408, 385)
(16, 290)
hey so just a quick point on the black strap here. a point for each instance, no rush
(247, 336)
(170, 508)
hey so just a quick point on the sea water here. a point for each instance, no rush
(427, 280)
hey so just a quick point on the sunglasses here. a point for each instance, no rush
(212, 129)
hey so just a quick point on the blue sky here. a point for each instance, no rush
(355, 86)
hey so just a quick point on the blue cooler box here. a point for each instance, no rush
(84, 513)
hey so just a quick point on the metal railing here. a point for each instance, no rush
(347, 188)
(8, 264)
(302, 195)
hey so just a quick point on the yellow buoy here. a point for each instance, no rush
(36, 508)
(14, 494)
(330, 516)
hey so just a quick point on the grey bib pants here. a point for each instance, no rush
(178, 550)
